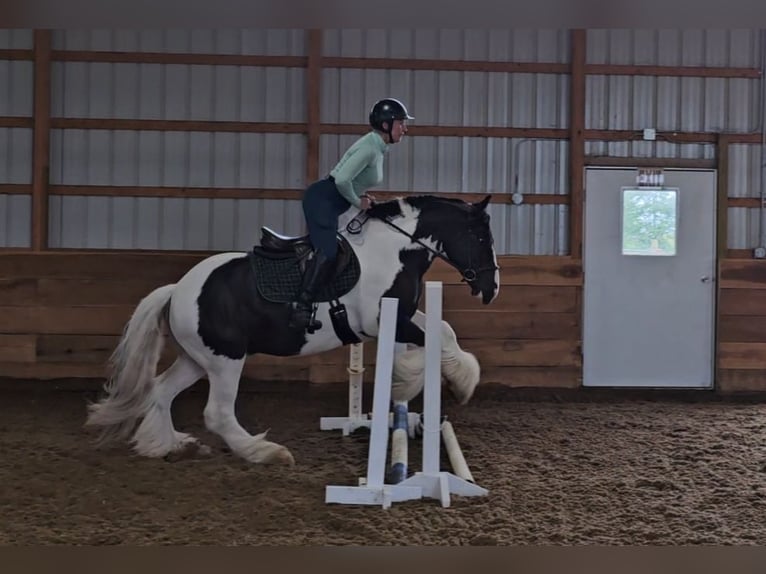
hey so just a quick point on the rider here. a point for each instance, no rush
(360, 168)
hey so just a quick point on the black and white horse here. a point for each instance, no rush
(232, 305)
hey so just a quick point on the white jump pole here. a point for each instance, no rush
(454, 452)
(435, 483)
(372, 490)
(356, 418)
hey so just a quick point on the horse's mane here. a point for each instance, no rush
(393, 207)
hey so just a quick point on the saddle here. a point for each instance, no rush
(279, 263)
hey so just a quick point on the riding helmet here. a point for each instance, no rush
(388, 110)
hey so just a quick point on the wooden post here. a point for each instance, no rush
(313, 89)
(577, 141)
(722, 219)
(722, 184)
(41, 139)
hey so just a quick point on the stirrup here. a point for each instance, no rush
(314, 324)
(303, 316)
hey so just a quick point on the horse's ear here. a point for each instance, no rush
(483, 203)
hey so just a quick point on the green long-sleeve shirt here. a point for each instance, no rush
(361, 167)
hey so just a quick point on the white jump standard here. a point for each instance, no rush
(431, 482)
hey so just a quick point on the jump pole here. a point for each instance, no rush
(434, 482)
(372, 489)
(356, 418)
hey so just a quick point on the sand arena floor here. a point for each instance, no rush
(561, 468)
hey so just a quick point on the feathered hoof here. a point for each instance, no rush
(262, 451)
(189, 449)
(278, 455)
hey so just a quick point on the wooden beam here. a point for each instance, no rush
(747, 274)
(445, 65)
(722, 192)
(178, 125)
(662, 162)
(672, 71)
(637, 135)
(273, 193)
(456, 131)
(12, 54)
(360, 129)
(186, 192)
(313, 97)
(15, 189)
(41, 138)
(187, 59)
(577, 140)
(749, 138)
(16, 122)
(751, 202)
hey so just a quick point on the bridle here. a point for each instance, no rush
(469, 274)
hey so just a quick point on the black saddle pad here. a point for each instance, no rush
(279, 278)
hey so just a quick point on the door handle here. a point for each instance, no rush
(706, 279)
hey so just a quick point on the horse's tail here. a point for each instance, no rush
(132, 369)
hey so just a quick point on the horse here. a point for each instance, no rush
(233, 305)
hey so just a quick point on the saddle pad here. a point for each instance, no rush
(279, 280)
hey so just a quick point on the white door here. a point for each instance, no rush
(649, 280)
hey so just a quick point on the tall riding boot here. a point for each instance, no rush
(303, 308)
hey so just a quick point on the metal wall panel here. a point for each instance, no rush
(16, 99)
(16, 155)
(15, 220)
(466, 44)
(449, 98)
(743, 228)
(666, 103)
(16, 39)
(175, 92)
(674, 47)
(469, 165)
(16, 88)
(99, 157)
(744, 225)
(530, 229)
(200, 159)
(672, 104)
(168, 223)
(178, 92)
(494, 165)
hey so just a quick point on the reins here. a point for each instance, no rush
(469, 274)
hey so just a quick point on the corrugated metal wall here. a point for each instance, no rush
(681, 104)
(665, 103)
(176, 92)
(445, 98)
(153, 91)
(15, 143)
(493, 165)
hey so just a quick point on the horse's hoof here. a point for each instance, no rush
(279, 455)
(189, 449)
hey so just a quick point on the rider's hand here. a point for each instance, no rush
(366, 203)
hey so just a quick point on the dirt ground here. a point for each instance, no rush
(578, 468)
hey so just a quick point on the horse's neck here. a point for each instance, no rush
(385, 249)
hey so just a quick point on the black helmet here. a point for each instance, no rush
(388, 110)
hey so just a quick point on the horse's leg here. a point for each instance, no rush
(409, 366)
(460, 368)
(224, 374)
(155, 436)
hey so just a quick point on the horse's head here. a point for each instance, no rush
(461, 235)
